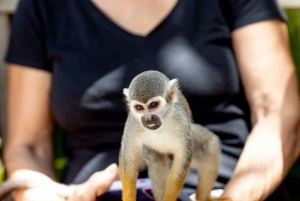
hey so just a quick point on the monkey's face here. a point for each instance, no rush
(149, 113)
(150, 97)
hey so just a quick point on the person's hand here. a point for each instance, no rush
(95, 186)
(44, 188)
(37, 194)
(40, 187)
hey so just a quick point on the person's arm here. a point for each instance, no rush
(268, 75)
(30, 125)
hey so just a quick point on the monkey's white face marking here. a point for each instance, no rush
(154, 105)
(150, 113)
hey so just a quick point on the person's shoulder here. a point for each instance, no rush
(36, 4)
(43, 4)
(243, 12)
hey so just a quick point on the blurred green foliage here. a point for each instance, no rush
(293, 179)
(60, 159)
(294, 32)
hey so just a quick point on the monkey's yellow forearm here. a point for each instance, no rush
(270, 151)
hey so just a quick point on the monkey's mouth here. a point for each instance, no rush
(153, 126)
(151, 121)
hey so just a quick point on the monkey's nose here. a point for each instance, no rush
(148, 118)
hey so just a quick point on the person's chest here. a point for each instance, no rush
(94, 59)
(135, 16)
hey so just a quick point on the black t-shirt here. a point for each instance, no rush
(91, 60)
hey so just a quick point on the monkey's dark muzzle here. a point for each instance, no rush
(151, 121)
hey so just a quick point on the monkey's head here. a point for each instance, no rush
(150, 97)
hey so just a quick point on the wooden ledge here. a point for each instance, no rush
(8, 6)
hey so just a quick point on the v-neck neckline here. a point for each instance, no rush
(112, 26)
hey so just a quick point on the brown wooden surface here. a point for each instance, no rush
(8, 6)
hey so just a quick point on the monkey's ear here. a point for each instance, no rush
(126, 92)
(172, 89)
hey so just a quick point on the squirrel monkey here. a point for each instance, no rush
(159, 128)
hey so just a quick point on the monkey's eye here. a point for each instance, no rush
(139, 107)
(153, 105)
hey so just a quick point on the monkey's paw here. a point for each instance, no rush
(215, 195)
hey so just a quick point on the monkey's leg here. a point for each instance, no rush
(158, 171)
(207, 159)
(179, 170)
(207, 175)
(128, 169)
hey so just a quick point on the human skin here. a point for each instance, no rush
(268, 75)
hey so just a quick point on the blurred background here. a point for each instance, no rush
(7, 8)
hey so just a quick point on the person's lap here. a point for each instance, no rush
(101, 160)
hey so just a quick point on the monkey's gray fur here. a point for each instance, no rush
(177, 138)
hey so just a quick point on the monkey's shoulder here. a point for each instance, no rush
(181, 113)
(181, 105)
